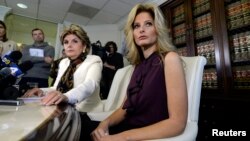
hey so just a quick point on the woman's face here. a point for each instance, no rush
(144, 31)
(111, 49)
(2, 31)
(73, 46)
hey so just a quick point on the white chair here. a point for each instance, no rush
(125, 61)
(193, 67)
(117, 90)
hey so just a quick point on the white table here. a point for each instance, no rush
(31, 119)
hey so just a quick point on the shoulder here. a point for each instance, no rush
(93, 58)
(172, 58)
(47, 45)
(119, 54)
(50, 47)
(65, 61)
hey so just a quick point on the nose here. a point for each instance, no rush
(142, 29)
(69, 45)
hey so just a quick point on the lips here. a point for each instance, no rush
(70, 50)
(142, 37)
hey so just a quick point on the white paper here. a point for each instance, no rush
(36, 52)
(31, 99)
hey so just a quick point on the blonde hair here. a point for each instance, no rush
(163, 44)
(80, 33)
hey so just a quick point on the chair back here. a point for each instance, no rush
(193, 67)
(118, 88)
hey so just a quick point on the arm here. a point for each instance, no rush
(177, 106)
(103, 128)
(116, 63)
(119, 64)
(49, 54)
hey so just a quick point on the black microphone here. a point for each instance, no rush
(10, 58)
(10, 93)
(6, 77)
(4, 72)
(15, 56)
(6, 81)
(19, 70)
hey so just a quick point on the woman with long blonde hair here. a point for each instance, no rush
(156, 103)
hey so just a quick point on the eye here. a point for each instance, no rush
(148, 24)
(135, 26)
(65, 42)
(75, 41)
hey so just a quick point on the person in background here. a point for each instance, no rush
(6, 45)
(54, 67)
(156, 105)
(99, 50)
(41, 54)
(79, 74)
(113, 62)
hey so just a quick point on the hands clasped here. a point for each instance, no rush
(51, 98)
(101, 133)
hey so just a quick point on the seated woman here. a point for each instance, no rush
(156, 105)
(78, 76)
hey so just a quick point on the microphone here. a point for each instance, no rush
(6, 80)
(15, 56)
(10, 93)
(19, 70)
(11, 57)
(4, 72)
(6, 77)
(7, 91)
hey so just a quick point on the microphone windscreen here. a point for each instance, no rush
(15, 56)
(4, 72)
(25, 66)
(10, 93)
(7, 81)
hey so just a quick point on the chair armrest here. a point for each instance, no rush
(189, 134)
(99, 116)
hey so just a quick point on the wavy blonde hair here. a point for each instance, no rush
(163, 44)
(80, 33)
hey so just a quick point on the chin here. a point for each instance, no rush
(144, 44)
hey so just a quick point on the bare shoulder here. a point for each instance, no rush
(172, 57)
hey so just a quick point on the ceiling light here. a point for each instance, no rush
(21, 5)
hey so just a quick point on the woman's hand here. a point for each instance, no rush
(34, 92)
(54, 98)
(101, 131)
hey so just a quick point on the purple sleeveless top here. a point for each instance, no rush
(146, 94)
